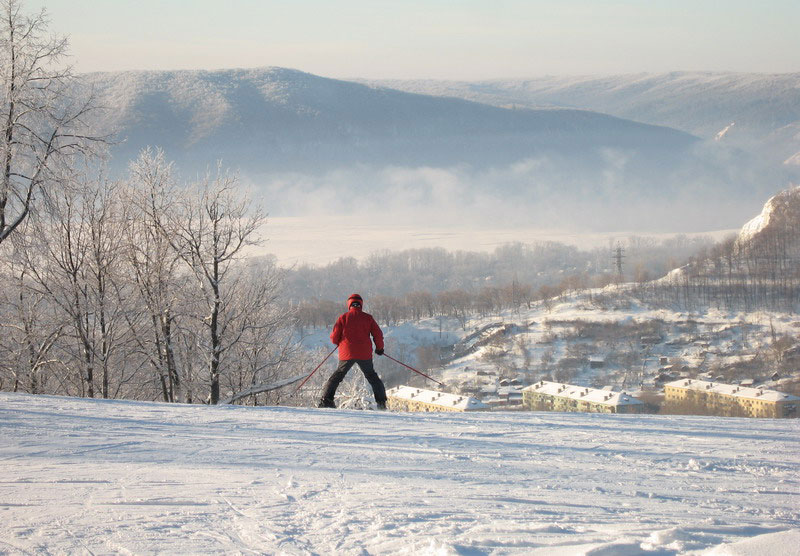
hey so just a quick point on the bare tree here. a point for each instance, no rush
(76, 261)
(263, 347)
(42, 125)
(421, 304)
(29, 329)
(216, 224)
(455, 304)
(151, 196)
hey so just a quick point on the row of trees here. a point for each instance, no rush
(435, 270)
(421, 283)
(387, 310)
(135, 289)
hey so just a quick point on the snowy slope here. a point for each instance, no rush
(604, 325)
(779, 212)
(99, 477)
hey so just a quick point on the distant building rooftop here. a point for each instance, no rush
(451, 401)
(584, 393)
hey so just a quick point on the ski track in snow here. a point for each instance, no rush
(101, 477)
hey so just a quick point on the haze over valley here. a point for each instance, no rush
(313, 147)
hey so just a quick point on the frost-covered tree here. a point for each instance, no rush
(43, 122)
(215, 225)
(75, 259)
(155, 266)
(265, 350)
(29, 327)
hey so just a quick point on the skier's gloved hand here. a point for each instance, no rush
(379, 351)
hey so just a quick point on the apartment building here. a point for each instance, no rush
(715, 398)
(554, 396)
(408, 398)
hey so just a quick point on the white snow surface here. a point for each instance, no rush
(724, 131)
(774, 209)
(100, 477)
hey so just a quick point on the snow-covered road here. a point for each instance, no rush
(87, 476)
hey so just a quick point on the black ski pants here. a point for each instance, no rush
(366, 367)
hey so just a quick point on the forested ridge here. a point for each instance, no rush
(757, 270)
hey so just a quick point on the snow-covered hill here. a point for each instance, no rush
(100, 477)
(309, 144)
(764, 108)
(282, 119)
(757, 268)
(780, 215)
(636, 335)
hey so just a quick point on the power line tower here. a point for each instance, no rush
(618, 256)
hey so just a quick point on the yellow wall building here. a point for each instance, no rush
(407, 398)
(554, 396)
(687, 395)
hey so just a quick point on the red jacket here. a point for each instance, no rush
(352, 334)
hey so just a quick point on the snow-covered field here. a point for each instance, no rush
(99, 477)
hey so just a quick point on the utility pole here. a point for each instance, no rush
(514, 293)
(618, 256)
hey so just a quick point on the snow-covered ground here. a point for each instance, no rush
(99, 477)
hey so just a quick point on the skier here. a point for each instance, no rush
(352, 333)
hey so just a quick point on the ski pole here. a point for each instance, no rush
(314, 371)
(413, 369)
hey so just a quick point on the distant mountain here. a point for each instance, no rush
(758, 112)
(280, 119)
(557, 166)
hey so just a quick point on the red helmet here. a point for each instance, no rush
(355, 298)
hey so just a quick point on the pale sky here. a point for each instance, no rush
(448, 39)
